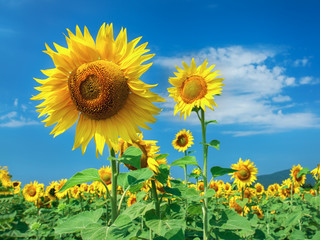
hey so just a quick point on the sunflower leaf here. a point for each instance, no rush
(302, 172)
(211, 121)
(132, 156)
(219, 171)
(135, 177)
(161, 156)
(215, 144)
(187, 160)
(87, 175)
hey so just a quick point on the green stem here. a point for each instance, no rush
(122, 197)
(114, 175)
(186, 183)
(81, 203)
(204, 172)
(291, 191)
(155, 197)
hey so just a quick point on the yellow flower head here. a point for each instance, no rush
(32, 191)
(294, 174)
(16, 185)
(105, 174)
(259, 188)
(234, 205)
(316, 172)
(196, 171)
(132, 199)
(246, 173)
(97, 83)
(183, 140)
(5, 178)
(51, 190)
(194, 87)
(61, 195)
(149, 152)
(256, 210)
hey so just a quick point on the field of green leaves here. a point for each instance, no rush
(174, 211)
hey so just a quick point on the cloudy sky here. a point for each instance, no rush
(267, 52)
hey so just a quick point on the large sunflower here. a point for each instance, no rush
(194, 87)
(97, 83)
(245, 174)
(149, 152)
(183, 140)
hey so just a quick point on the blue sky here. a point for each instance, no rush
(267, 51)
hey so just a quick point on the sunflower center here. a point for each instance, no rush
(106, 177)
(243, 174)
(193, 88)
(32, 192)
(98, 89)
(182, 141)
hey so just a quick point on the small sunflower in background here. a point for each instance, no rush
(316, 172)
(183, 140)
(132, 199)
(61, 195)
(96, 82)
(194, 87)
(33, 191)
(5, 178)
(149, 152)
(105, 174)
(299, 181)
(245, 174)
(16, 185)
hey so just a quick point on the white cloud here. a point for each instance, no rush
(281, 99)
(9, 115)
(309, 80)
(15, 103)
(252, 94)
(301, 62)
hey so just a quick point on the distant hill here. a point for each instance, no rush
(278, 177)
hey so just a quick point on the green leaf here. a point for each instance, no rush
(161, 156)
(195, 209)
(302, 172)
(316, 236)
(235, 221)
(164, 172)
(215, 144)
(189, 152)
(134, 177)
(187, 160)
(219, 171)
(132, 156)
(94, 231)
(161, 227)
(84, 176)
(211, 121)
(243, 202)
(78, 222)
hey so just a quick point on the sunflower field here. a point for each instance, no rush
(95, 84)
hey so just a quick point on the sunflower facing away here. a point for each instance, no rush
(97, 83)
(183, 140)
(246, 173)
(194, 87)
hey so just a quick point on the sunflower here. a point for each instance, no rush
(51, 190)
(256, 210)
(183, 140)
(259, 188)
(5, 178)
(132, 199)
(33, 191)
(216, 186)
(285, 190)
(194, 87)
(149, 152)
(61, 195)
(316, 172)
(273, 190)
(234, 205)
(246, 173)
(16, 185)
(97, 83)
(105, 174)
(294, 174)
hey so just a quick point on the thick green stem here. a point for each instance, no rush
(155, 197)
(205, 177)
(114, 175)
(186, 183)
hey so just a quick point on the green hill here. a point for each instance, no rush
(278, 177)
